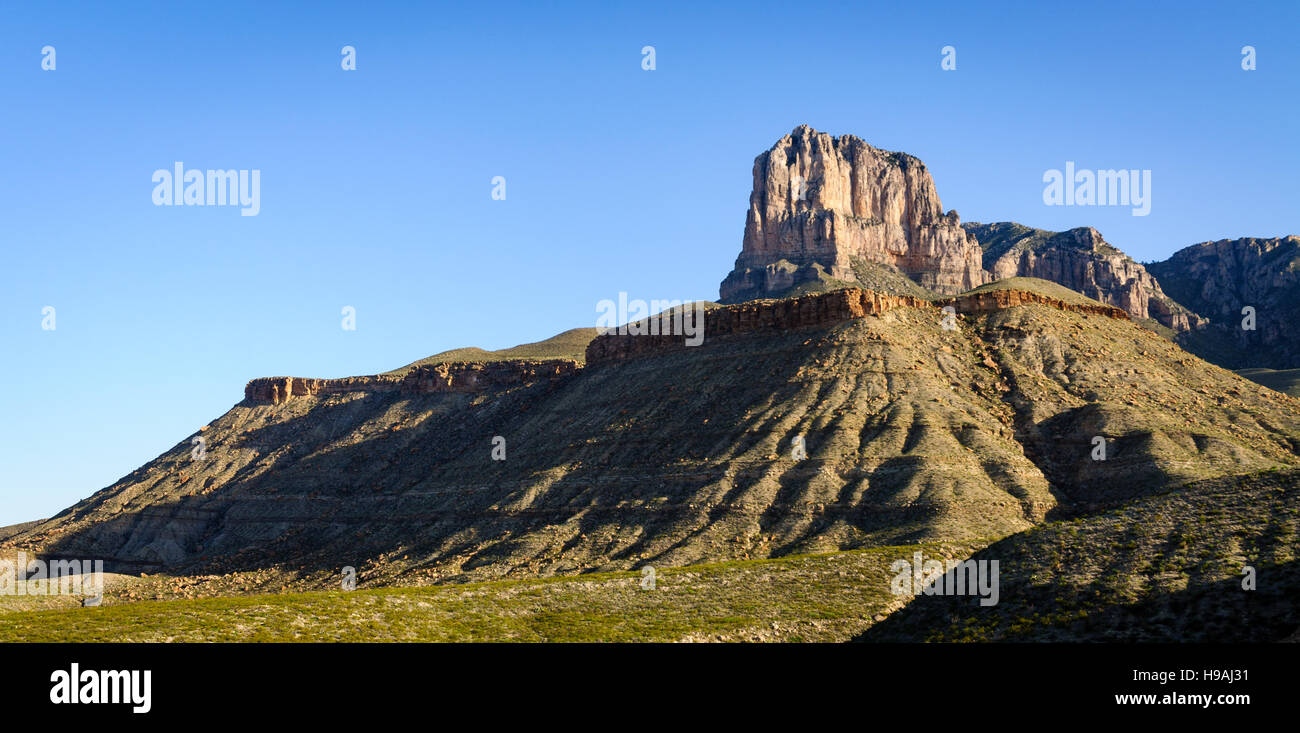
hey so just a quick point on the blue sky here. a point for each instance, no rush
(376, 183)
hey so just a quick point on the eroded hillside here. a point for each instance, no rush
(1214, 560)
(916, 426)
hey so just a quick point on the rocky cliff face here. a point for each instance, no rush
(1220, 279)
(278, 390)
(820, 201)
(1082, 261)
(461, 377)
(823, 206)
(824, 309)
(820, 309)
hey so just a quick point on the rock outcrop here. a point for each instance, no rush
(820, 201)
(819, 309)
(464, 377)
(822, 309)
(827, 209)
(485, 376)
(989, 301)
(1220, 279)
(278, 390)
(1082, 261)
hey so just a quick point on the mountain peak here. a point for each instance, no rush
(819, 202)
(828, 212)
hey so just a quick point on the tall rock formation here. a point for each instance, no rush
(1082, 261)
(1221, 279)
(819, 202)
(834, 211)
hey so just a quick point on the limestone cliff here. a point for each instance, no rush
(820, 201)
(824, 309)
(463, 377)
(828, 212)
(1220, 279)
(1082, 261)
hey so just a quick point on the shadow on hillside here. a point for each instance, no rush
(1034, 610)
(1064, 449)
(1219, 612)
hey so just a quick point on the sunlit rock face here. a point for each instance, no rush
(819, 201)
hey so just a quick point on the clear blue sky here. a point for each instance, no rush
(375, 184)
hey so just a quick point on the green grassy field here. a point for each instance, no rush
(830, 597)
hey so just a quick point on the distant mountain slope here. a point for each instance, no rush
(1220, 279)
(1282, 380)
(1080, 260)
(1168, 568)
(1037, 285)
(571, 344)
(16, 529)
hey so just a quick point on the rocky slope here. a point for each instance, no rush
(1082, 261)
(1282, 380)
(1220, 279)
(912, 432)
(819, 201)
(1167, 568)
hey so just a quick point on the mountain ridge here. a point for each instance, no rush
(1221, 279)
